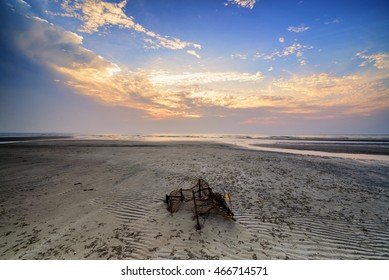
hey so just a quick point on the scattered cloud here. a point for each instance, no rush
(379, 60)
(281, 39)
(240, 56)
(96, 14)
(295, 49)
(298, 29)
(192, 52)
(258, 55)
(332, 21)
(243, 3)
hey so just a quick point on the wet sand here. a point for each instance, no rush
(105, 200)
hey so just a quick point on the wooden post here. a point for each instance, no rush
(182, 196)
(169, 203)
(200, 188)
(195, 208)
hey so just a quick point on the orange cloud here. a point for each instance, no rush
(176, 96)
(356, 94)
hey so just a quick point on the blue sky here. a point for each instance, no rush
(238, 66)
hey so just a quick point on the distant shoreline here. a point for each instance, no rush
(359, 147)
(331, 148)
(32, 138)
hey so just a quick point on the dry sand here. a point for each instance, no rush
(105, 200)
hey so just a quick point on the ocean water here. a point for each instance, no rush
(247, 141)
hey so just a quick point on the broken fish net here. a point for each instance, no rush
(200, 199)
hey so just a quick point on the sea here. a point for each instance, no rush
(347, 146)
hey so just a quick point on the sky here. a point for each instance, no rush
(194, 66)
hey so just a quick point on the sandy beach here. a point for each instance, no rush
(69, 199)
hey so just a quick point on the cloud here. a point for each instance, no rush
(243, 3)
(192, 52)
(332, 21)
(258, 55)
(379, 60)
(96, 14)
(240, 56)
(53, 46)
(352, 92)
(165, 78)
(163, 95)
(90, 74)
(281, 39)
(316, 95)
(298, 29)
(295, 49)
(63, 53)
